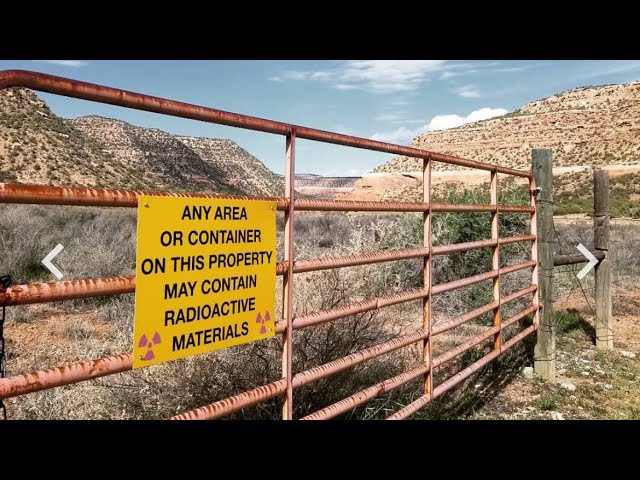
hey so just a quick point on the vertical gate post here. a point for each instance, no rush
(287, 281)
(427, 356)
(601, 231)
(495, 260)
(545, 349)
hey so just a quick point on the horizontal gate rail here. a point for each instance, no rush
(447, 385)
(12, 193)
(85, 288)
(368, 394)
(102, 197)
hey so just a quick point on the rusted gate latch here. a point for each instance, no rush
(5, 282)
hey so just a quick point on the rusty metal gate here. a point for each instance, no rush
(290, 322)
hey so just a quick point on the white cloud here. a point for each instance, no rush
(509, 69)
(374, 76)
(404, 135)
(389, 117)
(467, 91)
(66, 63)
(400, 136)
(344, 86)
(388, 76)
(451, 74)
(397, 76)
(320, 75)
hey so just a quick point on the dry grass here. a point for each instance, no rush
(102, 242)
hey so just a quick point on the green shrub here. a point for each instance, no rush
(567, 321)
(451, 228)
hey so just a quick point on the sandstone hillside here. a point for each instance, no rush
(590, 125)
(585, 128)
(36, 146)
(240, 168)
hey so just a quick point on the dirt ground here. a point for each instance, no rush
(591, 384)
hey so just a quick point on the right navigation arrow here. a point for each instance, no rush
(593, 261)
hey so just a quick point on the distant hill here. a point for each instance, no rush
(324, 187)
(36, 146)
(589, 125)
(585, 128)
(241, 169)
(312, 180)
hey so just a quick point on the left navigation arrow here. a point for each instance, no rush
(46, 261)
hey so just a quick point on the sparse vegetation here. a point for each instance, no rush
(96, 327)
(575, 195)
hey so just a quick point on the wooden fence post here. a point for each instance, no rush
(601, 230)
(545, 349)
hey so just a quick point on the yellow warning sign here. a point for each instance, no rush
(205, 276)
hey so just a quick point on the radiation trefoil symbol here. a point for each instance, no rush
(145, 342)
(262, 320)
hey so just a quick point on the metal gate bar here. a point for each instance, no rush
(285, 386)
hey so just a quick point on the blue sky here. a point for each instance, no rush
(389, 100)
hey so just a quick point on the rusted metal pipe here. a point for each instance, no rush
(463, 282)
(287, 281)
(232, 404)
(335, 366)
(517, 266)
(352, 309)
(517, 238)
(65, 375)
(520, 336)
(236, 402)
(363, 396)
(455, 322)
(66, 290)
(427, 267)
(465, 346)
(460, 376)
(101, 197)
(123, 98)
(519, 316)
(308, 205)
(462, 247)
(85, 288)
(515, 208)
(463, 374)
(302, 266)
(519, 293)
(470, 207)
(417, 404)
